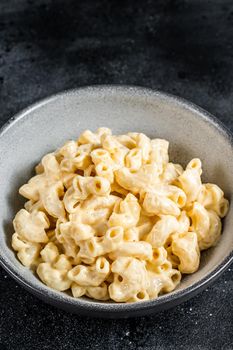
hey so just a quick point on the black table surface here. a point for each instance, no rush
(181, 47)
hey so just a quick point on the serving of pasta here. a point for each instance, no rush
(110, 218)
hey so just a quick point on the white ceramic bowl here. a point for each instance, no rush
(43, 127)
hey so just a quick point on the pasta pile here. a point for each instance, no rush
(109, 217)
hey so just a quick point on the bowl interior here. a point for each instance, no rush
(45, 126)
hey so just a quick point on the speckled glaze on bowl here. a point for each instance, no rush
(43, 127)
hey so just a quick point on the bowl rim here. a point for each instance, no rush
(175, 297)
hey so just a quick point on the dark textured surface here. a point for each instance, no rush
(182, 47)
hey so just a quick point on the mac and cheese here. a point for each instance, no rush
(109, 217)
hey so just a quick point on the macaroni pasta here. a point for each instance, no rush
(109, 217)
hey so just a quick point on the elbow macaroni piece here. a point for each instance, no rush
(90, 276)
(28, 252)
(54, 274)
(154, 204)
(111, 218)
(162, 230)
(31, 226)
(140, 250)
(130, 278)
(206, 224)
(171, 172)
(126, 213)
(185, 247)
(190, 180)
(136, 181)
(82, 187)
(212, 198)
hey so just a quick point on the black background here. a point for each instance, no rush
(182, 47)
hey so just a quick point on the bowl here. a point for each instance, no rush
(44, 126)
